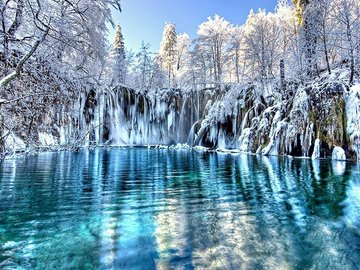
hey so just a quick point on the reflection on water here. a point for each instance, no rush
(159, 209)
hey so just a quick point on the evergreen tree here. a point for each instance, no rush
(117, 58)
(144, 62)
(308, 13)
(168, 50)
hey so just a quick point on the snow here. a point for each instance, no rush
(14, 143)
(180, 146)
(353, 119)
(231, 151)
(199, 148)
(46, 139)
(338, 154)
(278, 127)
(220, 89)
(245, 140)
(6, 79)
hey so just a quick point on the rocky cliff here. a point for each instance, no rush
(297, 119)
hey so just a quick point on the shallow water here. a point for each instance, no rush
(137, 208)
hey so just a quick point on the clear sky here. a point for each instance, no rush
(145, 19)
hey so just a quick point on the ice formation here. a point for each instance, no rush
(338, 154)
(307, 120)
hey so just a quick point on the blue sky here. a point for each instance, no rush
(145, 19)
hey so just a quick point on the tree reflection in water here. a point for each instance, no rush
(137, 208)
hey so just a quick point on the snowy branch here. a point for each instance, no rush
(4, 101)
(7, 79)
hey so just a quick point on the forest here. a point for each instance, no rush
(284, 83)
(236, 146)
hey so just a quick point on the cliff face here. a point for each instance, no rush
(288, 122)
(301, 120)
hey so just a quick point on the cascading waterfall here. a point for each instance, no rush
(238, 118)
(125, 117)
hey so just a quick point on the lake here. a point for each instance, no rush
(139, 208)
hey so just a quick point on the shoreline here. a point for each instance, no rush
(177, 147)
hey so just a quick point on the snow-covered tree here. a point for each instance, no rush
(128, 65)
(346, 14)
(236, 45)
(289, 38)
(117, 58)
(167, 53)
(262, 38)
(182, 59)
(70, 33)
(51, 53)
(213, 37)
(309, 14)
(200, 65)
(325, 32)
(144, 67)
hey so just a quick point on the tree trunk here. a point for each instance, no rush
(282, 74)
(237, 65)
(349, 35)
(327, 56)
(352, 68)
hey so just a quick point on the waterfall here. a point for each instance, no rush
(221, 141)
(316, 152)
(191, 138)
(183, 120)
(124, 117)
(245, 120)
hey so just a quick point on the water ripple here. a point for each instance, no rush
(163, 209)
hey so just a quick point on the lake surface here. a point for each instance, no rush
(139, 208)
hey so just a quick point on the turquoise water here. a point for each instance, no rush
(138, 208)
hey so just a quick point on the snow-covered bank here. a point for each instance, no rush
(353, 118)
(303, 120)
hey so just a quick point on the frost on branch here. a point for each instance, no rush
(284, 83)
